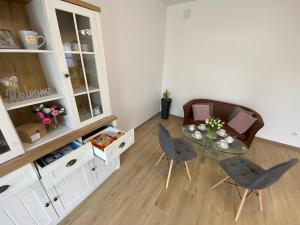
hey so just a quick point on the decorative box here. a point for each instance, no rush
(31, 132)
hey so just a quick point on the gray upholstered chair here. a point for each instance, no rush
(175, 150)
(252, 177)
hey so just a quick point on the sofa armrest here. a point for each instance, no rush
(187, 110)
(252, 131)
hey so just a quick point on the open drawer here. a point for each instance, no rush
(61, 167)
(116, 148)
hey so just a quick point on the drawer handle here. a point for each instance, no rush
(55, 199)
(71, 162)
(4, 188)
(47, 204)
(93, 169)
(122, 144)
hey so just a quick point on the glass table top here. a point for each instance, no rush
(211, 147)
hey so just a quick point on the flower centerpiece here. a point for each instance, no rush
(49, 115)
(213, 125)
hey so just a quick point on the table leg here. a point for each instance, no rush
(205, 153)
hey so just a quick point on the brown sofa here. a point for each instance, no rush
(222, 110)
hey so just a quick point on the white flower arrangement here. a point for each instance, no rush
(214, 124)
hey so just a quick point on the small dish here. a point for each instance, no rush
(229, 139)
(222, 146)
(202, 128)
(199, 138)
(222, 135)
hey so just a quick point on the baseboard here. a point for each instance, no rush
(147, 120)
(278, 143)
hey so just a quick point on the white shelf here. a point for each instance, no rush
(80, 91)
(53, 134)
(24, 51)
(33, 101)
(78, 52)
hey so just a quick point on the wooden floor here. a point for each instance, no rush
(136, 194)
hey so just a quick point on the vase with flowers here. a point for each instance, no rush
(48, 115)
(213, 125)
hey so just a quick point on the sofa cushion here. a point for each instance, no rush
(201, 112)
(241, 122)
(236, 110)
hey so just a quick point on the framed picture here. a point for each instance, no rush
(8, 39)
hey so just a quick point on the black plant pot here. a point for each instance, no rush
(165, 107)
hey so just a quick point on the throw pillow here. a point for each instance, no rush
(241, 122)
(236, 110)
(201, 112)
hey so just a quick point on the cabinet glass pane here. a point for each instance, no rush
(83, 107)
(96, 103)
(67, 30)
(85, 34)
(3, 144)
(91, 71)
(76, 73)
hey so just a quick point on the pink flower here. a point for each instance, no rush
(47, 121)
(55, 112)
(40, 115)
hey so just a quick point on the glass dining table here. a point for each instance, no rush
(211, 147)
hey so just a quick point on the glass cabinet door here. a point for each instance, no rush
(4, 148)
(79, 50)
(10, 144)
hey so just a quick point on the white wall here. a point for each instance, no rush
(245, 52)
(133, 33)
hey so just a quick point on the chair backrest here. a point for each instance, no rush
(166, 142)
(272, 175)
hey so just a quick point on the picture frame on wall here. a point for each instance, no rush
(7, 39)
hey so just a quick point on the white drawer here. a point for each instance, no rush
(116, 148)
(60, 168)
(17, 181)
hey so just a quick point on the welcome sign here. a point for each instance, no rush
(17, 96)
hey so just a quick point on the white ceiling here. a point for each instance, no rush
(170, 2)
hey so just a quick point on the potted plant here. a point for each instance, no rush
(165, 104)
(213, 125)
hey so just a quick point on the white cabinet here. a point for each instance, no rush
(71, 190)
(30, 206)
(78, 46)
(23, 200)
(100, 171)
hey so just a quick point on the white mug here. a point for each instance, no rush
(222, 132)
(229, 139)
(223, 144)
(198, 134)
(191, 127)
(30, 39)
(202, 126)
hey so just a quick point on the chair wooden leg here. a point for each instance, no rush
(160, 158)
(241, 205)
(169, 174)
(220, 182)
(187, 170)
(260, 200)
